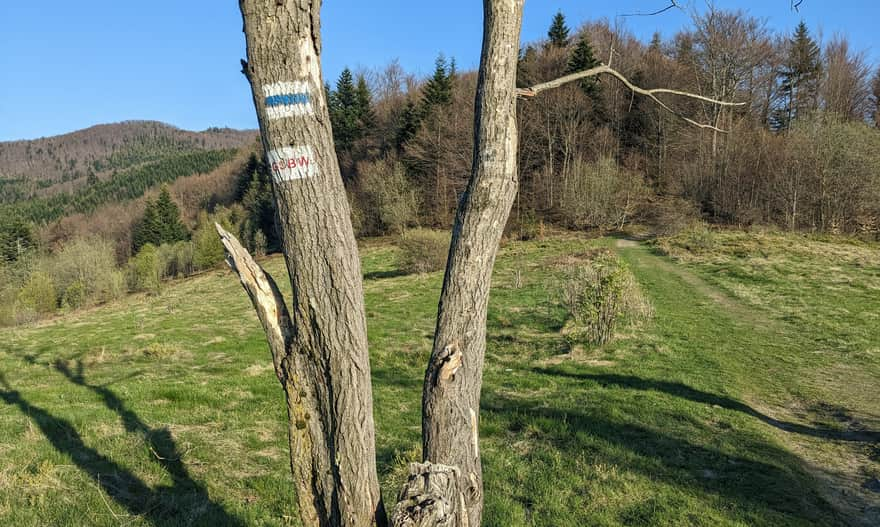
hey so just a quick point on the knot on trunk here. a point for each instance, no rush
(449, 361)
(430, 497)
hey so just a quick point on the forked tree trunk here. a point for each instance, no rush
(320, 349)
(319, 346)
(451, 399)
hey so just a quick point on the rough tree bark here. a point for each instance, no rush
(320, 346)
(451, 398)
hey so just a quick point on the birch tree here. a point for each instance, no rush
(318, 342)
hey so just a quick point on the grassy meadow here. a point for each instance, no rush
(749, 399)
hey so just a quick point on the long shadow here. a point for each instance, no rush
(185, 502)
(380, 275)
(758, 481)
(697, 396)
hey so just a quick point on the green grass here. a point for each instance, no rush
(749, 399)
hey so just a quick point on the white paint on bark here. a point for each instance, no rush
(293, 162)
(288, 99)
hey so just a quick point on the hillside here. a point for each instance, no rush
(749, 398)
(64, 163)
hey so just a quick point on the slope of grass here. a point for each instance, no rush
(165, 411)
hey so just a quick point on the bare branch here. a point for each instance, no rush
(264, 293)
(651, 94)
(672, 5)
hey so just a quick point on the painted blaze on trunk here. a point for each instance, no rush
(321, 349)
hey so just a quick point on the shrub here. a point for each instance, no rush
(145, 270)
(177, 259)
(38, 294)
(670, 216)
(90, 263)
(208, 250)
(75, 295)
(389, 196)
(601, 194)
(698, 239)
(423, 250)
(599, 294)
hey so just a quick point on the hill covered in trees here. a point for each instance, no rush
(63, 163)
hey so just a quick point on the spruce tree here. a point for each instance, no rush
(408, 124)
(800, 78)
(364, 105)
(171, 228)
(438, 89)
(148, 229)
(343, 112)
(16, 237)
(583, 58)
(558, 33)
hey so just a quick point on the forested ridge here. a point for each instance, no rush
(799, 152)
(121, 185)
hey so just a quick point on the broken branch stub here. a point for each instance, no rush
(430, 498)
(265, 296)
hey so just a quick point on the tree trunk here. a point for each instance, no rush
(321, 355)
(451, 399)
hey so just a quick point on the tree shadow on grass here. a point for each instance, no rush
(697, 396)
(185, 502)
(758, 482)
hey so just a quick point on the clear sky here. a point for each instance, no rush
(69, 64)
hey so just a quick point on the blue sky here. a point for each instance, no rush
(68, 65)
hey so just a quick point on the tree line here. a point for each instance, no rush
(799, 152)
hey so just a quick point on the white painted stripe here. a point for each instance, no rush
(288, 110)
(293, 162)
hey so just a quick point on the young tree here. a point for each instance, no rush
(583, 58)
(558, 32)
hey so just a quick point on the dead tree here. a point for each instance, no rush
(319, 344)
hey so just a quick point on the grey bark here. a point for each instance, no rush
(451, 397)
(323, 361)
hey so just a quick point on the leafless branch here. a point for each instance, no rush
(651, 94)
(672, 5)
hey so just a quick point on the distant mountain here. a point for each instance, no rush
(26, 167)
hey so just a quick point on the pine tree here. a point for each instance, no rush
(558, 33)
(259, 207)
(161, 223)
(438, 89)
(343, 112)
(171, 228)
(583, 58)
(364, 105)
(16, 237)
(408, 124)
(147, 230)
(800, 78)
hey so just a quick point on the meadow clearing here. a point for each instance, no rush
(749, 398)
